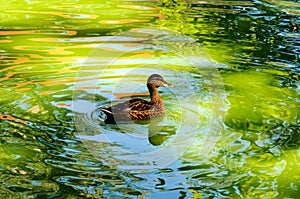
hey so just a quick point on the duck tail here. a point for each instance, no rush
(105, 110)
(109, 115)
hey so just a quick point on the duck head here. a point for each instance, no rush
(156, 80)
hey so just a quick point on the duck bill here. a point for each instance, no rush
(166, 84)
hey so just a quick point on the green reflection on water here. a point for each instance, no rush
(44, 45)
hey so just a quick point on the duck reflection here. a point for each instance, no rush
(157, 134)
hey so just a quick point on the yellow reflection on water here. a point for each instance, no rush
(5, 41)
(61, 14)
(9, 74)
(53, 50)
(137, 7)
(160, 16)
(123, 21)
(136, 94)
(26, 32)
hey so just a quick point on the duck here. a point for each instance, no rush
(137, 109)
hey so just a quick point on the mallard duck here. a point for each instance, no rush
(139, 109)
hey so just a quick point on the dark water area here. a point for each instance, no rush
(255, 32)
(232, 123)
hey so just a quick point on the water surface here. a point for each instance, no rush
(232, 123)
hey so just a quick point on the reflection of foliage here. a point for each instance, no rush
(267, 115)
(287, 137)
(249, 31)
(176, 17)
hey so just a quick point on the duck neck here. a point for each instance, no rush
(154, 96)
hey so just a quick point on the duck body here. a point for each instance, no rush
(138, 109)
(133, 109)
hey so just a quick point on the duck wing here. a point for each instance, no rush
(122, 111)
(141, 109)
(132, 104)
(139, 105)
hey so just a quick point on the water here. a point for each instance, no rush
(232, 123)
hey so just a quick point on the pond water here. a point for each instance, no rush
(232, 123)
